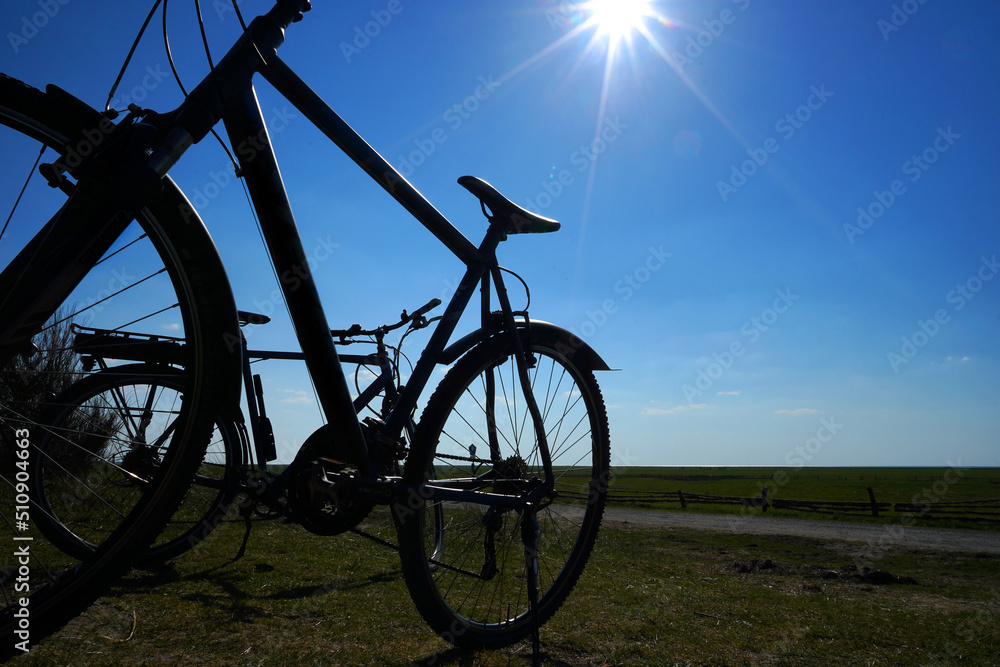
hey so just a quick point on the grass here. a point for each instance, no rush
(927, 487)
(649, 596)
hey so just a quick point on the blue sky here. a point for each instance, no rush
(779, 219)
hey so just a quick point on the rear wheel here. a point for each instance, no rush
(161, 276)
(464, 562)
(103, 439)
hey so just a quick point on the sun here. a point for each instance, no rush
(618, 18)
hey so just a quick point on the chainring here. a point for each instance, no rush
(319, 506)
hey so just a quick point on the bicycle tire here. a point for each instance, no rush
(131, 410)
(199, 312)
(446, 560)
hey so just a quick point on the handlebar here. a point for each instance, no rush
(416, 317)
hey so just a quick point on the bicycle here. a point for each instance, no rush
(129, 405)
(488, 556)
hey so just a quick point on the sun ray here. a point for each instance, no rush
(692, 86)
(614, 21)
(592, 171)
(530, 60)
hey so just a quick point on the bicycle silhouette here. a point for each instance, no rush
(498, 488)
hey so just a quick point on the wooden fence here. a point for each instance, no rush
(973, 510)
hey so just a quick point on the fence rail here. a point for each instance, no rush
(965, 510)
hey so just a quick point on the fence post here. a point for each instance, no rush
(680, 494)
(763, 499)
(871, 496)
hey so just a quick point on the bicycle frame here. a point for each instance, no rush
(162, 353)
(232, 80)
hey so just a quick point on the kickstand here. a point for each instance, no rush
(246, 512)
(530, 535)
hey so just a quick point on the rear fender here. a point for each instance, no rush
(575, 348)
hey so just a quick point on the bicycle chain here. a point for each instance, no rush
(469, 459)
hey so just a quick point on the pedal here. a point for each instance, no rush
(321, 501)
(324, 483)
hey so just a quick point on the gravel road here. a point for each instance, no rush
(892, 535)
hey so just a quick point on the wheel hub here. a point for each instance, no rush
(141, 463)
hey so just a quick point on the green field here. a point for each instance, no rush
(930, 488)
(648, 597)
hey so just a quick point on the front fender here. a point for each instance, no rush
(172, 207)
(582, 354)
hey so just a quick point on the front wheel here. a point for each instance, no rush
(162, 278)
(464, 562)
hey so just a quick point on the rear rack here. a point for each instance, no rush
(129, 346)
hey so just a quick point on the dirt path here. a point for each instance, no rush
(938, 539)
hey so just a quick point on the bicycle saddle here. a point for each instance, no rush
(246, 317)
(512, 218)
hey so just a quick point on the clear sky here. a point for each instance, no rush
(779, 219)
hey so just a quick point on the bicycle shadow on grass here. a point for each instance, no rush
(449, 656)
(147, 578)
(461, 657)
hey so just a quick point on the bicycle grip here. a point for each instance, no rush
(430, 305)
